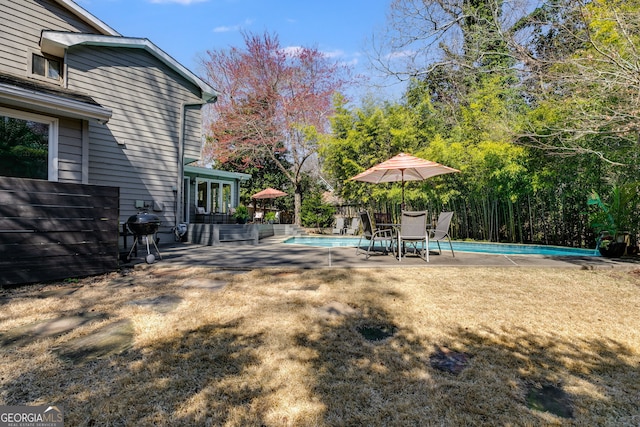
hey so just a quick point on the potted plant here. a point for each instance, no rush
(613, 221)
(270, 217)
(241, 214)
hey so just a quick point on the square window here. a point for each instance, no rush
(49, 68)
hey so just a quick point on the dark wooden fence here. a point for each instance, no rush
(51, 231)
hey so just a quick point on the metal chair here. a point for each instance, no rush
(442, 230)
(373, 235)
(413, 229)
(340, 227)
(354, 227)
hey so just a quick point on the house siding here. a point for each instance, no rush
(138, 149)
(70, 150)
(21, 23)
(193, 133)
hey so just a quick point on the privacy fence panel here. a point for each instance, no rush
(51, 231)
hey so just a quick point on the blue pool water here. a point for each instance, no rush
(477, 247)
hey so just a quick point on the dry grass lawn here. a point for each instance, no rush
(283, 347)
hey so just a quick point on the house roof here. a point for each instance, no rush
(87, 17)
(215, 173)
(55, 42)
(54, 99)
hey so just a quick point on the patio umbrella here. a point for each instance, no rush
(402, 168)
(267, 193)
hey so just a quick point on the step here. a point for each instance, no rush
(288, 230)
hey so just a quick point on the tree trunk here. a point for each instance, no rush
(297, 207)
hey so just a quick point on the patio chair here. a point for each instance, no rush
(340, 227)
(413, 229)
(354, 227)
(442, 230)
(373, 235)
(258, 217)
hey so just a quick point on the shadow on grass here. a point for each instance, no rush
(205, 376)
(187, 381)
(393, 383)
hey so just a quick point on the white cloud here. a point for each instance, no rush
(224, 29)
(334, 53)
(339, 55)
(351, 63)
(228, 28)
(291, 50)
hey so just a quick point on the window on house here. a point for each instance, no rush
(28, 145)
(214, 196)
(46, 67)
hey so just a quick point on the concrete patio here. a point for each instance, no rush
(273, 252)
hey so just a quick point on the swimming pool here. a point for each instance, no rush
(477, 247)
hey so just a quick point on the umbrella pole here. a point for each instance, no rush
(402, 204)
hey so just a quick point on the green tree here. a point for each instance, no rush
(315, 211)
(363, 137)
(275, 105)
(575, 62)
(586, 99)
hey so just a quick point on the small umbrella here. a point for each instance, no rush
(268, 193)
(402, 168)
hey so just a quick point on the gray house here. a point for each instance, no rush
(105, 110)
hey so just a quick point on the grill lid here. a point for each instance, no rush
(143, 223)
(143, 218)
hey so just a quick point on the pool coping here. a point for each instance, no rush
(444, 245)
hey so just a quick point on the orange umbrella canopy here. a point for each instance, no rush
(268, 193)
(401, 168)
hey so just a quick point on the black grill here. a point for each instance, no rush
(143, 224)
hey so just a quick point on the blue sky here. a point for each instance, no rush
(185, 29)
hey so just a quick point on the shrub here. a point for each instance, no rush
(316, 213)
